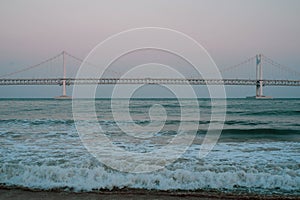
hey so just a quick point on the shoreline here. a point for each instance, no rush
(57, 194)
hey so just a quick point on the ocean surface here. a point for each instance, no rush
(258, 151)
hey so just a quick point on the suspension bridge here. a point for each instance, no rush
(257, 64)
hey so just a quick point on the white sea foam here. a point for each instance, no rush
(87, 179)
(226, 168)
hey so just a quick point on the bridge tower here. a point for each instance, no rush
(64, 86)
(259, 76)
(259, 79)
(64, 76)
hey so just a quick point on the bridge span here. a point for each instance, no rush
(62, 80)
(172, 81)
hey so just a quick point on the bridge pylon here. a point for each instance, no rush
(259, 79)
(64, 86)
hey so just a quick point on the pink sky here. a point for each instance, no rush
(231, 30)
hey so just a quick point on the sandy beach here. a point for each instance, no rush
(16, 194)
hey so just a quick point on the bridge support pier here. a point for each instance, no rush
(259, 89)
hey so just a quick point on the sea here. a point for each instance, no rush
(257, 152)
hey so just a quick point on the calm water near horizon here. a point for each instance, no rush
(258, 151)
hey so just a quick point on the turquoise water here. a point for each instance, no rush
(258, 151)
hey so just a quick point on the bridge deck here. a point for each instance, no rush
(104, 81)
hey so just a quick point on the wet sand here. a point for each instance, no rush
(21, 194)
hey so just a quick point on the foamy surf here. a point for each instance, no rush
(255, 153)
